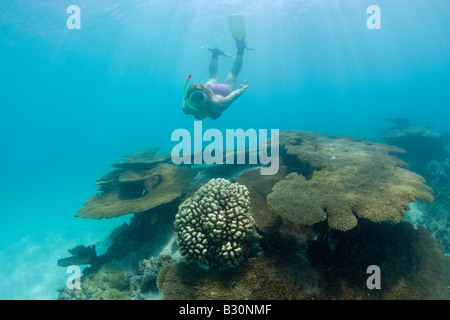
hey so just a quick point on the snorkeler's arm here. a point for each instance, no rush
(229, 99)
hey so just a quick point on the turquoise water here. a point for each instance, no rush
(74, 101)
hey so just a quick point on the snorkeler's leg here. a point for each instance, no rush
(213, 68)
(231, 79)
(213, 75)
(237, 65)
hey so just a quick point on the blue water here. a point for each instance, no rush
(74, 101)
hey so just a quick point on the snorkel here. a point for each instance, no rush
(185, 93)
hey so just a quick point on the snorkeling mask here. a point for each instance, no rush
(196, 98)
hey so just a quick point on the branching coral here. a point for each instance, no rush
(350, 179)
(215, 225)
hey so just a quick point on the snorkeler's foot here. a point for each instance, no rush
(240, 45)
(217, 52)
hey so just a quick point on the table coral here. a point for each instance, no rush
(347, 179)
(127, 191)
(142, 160)
(215, 225)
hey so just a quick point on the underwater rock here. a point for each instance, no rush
(343, 179)
(134, 192)
(215, 226)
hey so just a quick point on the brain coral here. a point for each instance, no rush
(347, 179)
(215, 225)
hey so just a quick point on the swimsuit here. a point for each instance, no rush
(219, 88)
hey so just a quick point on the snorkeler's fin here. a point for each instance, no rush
(237, 27)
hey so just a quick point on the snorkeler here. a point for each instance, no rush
(211, 99)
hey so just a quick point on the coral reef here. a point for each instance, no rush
(331, 268)
(427, 153)
(347, 179)
(215, 225)
(137, 253)
(140, 239)
(109, 283)
(150, 268)
(259, 186)
(422, 141)
(128, 191)
(278, 225)
(80, 255)
(436, 216)
(410, 259)
(142, 160)
(261, 277)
